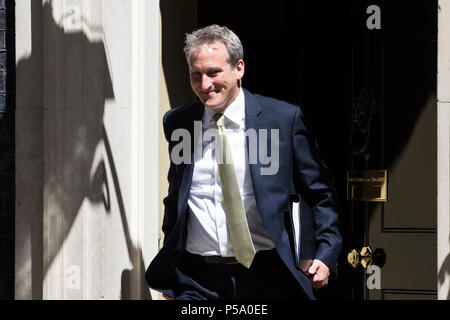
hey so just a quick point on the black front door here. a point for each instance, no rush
(364, 73)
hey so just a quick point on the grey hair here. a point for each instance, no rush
(212, 34)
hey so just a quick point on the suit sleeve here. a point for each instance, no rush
(317, 189)
(171, 200)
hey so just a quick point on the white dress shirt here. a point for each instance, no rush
(208, 233)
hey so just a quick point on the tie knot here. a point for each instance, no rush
(219, 118)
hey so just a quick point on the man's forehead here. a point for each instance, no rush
(215, 48)
(209, 48)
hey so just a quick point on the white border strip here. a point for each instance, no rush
(443, 133)
(146, 56)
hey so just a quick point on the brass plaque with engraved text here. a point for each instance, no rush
(367, 185)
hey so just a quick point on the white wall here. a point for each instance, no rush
(87, 153)
(443, 78)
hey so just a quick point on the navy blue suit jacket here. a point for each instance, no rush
(301, 171)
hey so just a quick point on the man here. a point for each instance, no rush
(227, 222)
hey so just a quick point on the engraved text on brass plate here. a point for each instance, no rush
(367, 185)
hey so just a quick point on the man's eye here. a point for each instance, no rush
(195, 74)
(213, 73)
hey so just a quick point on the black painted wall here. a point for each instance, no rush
(7, 147)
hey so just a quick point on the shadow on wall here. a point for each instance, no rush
(444, 274)
(70, 117)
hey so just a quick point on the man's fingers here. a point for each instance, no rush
(319, 281)
(314, 267)
(319, 273)
(318, 267)
(319, 284)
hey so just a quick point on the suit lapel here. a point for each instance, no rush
(254, 121)
(252, 112)
(195, 114)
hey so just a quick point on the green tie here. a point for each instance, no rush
(241, 239)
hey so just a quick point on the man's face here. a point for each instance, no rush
(213, 79)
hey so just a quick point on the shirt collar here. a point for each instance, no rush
(235, 112)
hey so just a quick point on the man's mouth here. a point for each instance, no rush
(209, 94)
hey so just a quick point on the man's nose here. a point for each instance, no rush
(206, 82)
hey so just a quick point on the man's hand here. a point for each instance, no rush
(318, 274)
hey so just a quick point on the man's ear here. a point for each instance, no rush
(240, 69)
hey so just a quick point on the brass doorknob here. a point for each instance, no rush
(366, 257)
(353, 258)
